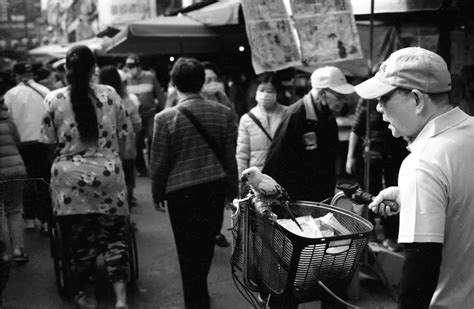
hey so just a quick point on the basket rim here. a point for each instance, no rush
(304, 241)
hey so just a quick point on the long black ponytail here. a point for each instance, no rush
(79, 62)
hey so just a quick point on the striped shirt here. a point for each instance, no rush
(181, 158)
(147, 88)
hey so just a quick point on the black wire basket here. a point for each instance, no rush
(272, 259)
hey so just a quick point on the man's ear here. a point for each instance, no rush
(420, 100)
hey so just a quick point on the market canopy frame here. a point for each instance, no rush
(173, 35)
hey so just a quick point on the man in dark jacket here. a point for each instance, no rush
(302, 157)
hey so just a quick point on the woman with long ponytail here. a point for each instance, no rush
(87, 122)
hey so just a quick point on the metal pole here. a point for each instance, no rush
(26, 18)
(367, 151)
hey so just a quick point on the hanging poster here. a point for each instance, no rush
(316, 32)
(271, 37)
(263, 9)
(273, 45)
(327, 30)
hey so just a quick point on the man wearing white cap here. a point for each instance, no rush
(435, 182)
(303, 154)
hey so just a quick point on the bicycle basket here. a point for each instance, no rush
(289, 264)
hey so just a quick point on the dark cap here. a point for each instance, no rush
(22, 68)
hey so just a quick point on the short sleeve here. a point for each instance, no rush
(48, 129)
(423, 199)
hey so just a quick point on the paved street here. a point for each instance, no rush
(159, 285)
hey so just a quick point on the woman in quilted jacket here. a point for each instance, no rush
(12, 173)
(258, 126)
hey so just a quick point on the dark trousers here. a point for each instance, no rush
(36, 197)
(129, 172)
(145, 132)
(194, 215)
(383, 173)
(4, 269)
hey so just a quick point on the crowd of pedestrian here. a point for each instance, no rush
(74, 137)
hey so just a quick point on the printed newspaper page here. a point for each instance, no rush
(327, 30)
(271, 37)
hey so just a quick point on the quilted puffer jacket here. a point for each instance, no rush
(11, 163)
(252, 142)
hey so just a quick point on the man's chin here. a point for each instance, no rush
(394, 131)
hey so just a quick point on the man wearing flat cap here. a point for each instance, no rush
(25, 105)
(435, 181)
(302, 157)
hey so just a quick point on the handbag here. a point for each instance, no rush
(207, 138)
(255, 119)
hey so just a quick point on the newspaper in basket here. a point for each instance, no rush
(274, 259)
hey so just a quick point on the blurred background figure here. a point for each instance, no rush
(213, 88)
(257, 127)
(25, 104)
(386, 156)
(44, 77)
(60, 73)
(237, 86)
(87, 162)
(109, 75)
(152, 100)
(12, 175)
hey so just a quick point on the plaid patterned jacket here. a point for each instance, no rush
(181, 158)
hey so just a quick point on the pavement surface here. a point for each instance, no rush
(159, 285)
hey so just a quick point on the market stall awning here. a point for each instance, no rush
(166, 35)
(52, 50)
(59, 51)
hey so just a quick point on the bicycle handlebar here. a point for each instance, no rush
(355, 193)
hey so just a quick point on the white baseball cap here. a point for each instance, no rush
(408, 68)
(332, 78)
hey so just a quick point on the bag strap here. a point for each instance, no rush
(258, 123)
(197, 125)
(34, 89)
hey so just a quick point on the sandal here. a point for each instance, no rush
(82, 303)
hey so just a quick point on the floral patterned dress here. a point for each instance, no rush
(85, 178)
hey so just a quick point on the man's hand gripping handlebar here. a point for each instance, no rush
(385, 203)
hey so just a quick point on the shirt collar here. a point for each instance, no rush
(438, 125)
(189, 96)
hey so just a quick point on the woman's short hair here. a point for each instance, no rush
(187, 75)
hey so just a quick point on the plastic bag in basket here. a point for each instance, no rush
(322, 227)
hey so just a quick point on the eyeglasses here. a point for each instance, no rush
(338, 95)
(131, 65)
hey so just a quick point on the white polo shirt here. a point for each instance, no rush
(436, 184)
(26, 108)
